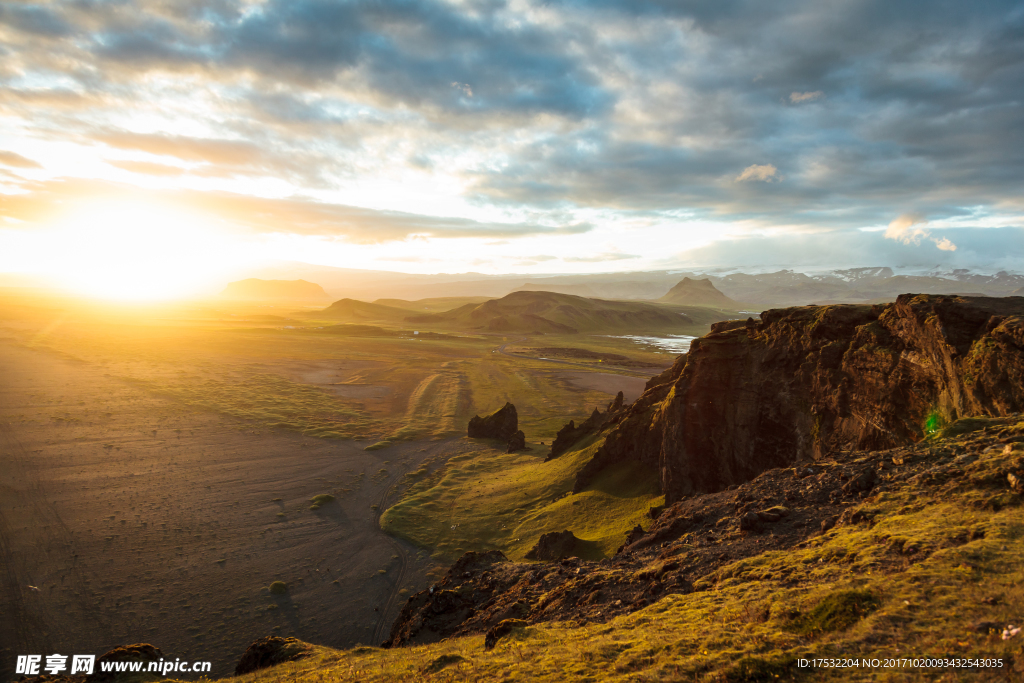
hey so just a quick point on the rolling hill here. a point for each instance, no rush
(432, 305)
(351, 310)
(698, 293)
(573, 289)
(552, 313)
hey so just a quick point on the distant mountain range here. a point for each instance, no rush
(758, 290)
(527, 313)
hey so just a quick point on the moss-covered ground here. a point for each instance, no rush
(929, 570)
(506, 501)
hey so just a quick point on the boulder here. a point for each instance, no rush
(750, 521)
(501, 424)
(554, 546)
(635, 534)
(501, 630)
(138, 652)
(569, 434)
(517, 442)
(270, 651)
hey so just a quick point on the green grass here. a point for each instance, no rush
(270, 400)
(506, 501)
(835, 612)
(320, 500)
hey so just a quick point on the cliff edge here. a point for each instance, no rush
(815, 380)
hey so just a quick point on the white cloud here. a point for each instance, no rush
(798, 97)
(909, 229)
(764, 172)
(598, 258)
(905, 229)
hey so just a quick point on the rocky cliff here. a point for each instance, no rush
(815, 380)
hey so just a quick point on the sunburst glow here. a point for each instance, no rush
(135, 252)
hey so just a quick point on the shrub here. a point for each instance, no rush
(836, 612)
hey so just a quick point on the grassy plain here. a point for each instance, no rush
(328, 380)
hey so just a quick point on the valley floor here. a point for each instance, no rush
(139, 519)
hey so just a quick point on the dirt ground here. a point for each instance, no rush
(631, 387)
(126, 517)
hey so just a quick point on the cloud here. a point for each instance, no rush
(909, 229)
(765, 172)
(147, 168)
(798, 97)
(213, 151)
(408, 259)
(17, 161)
(293, 215)
(600, 258)
(551, 110)
(981, 250)
(905, 229)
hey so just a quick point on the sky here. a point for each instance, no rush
(173, 142)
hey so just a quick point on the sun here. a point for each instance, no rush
(136, 251)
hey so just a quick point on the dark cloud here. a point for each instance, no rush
(36, 20)
(977, 248)
(826, 115)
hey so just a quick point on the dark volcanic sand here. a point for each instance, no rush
(142, 520)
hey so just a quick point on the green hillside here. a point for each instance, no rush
(552, 313)
(351, 310)
(432, 305)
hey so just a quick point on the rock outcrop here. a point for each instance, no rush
(814, 380)
(501, 424)
(556, 545)
(569, 434)
(517, 442)
(269, 651)
(138, 652)
(976, 462)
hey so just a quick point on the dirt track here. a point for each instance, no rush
(152, 522)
